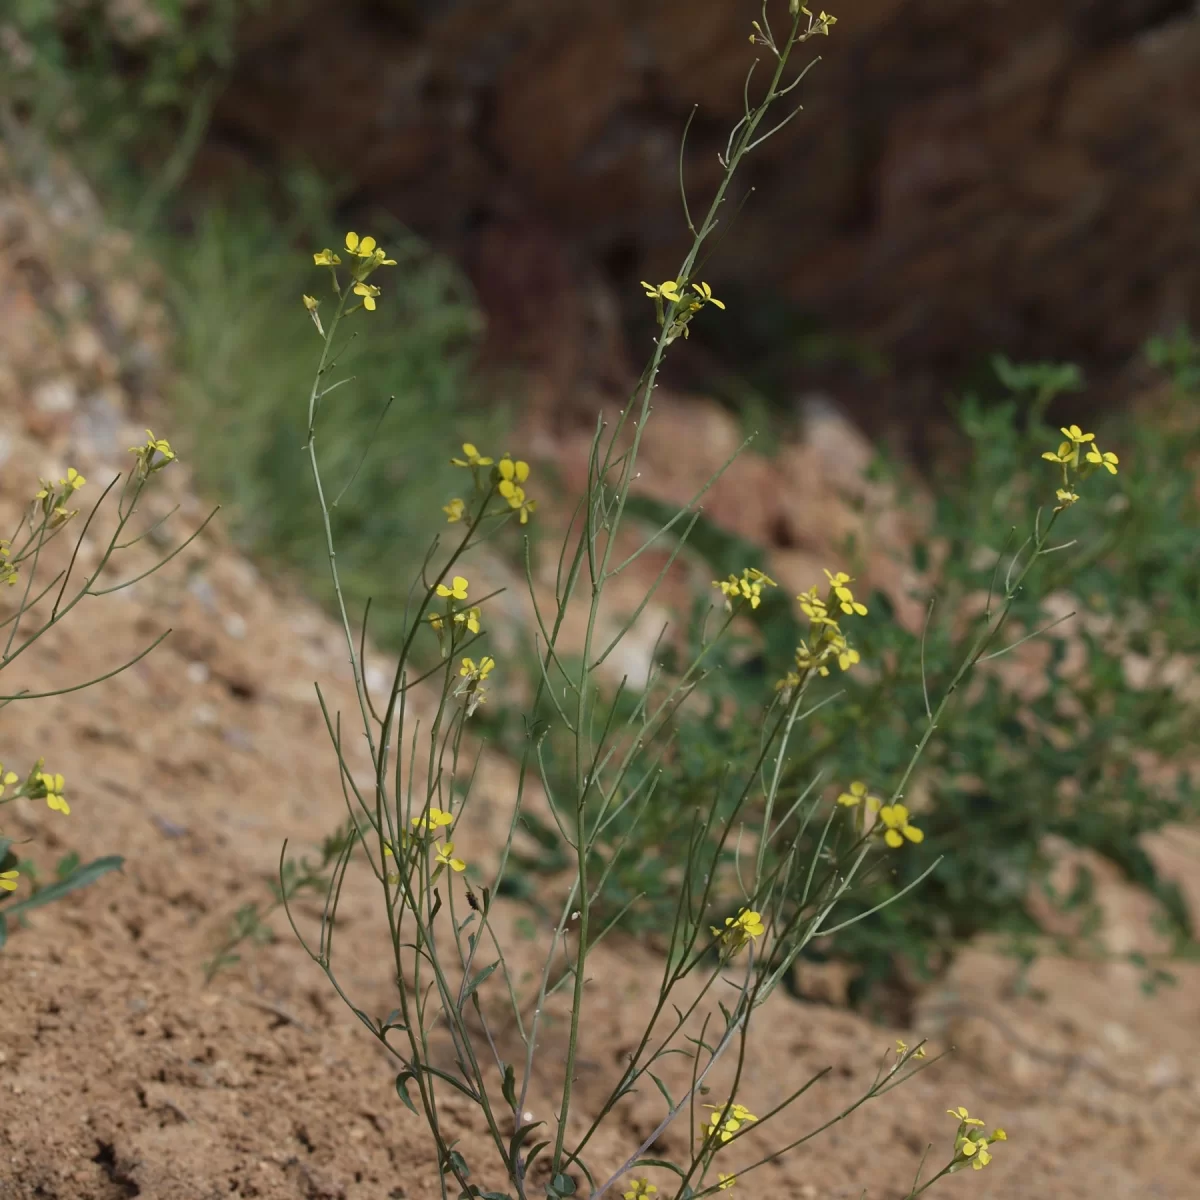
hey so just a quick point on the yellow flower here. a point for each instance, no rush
(845, 596)
(1066, 498)
(847, 656)
(895, 817)
(857, 794)
(1107, 460)
(326, 258)
(706, 296)
(725, 1182)
(714, 1127)
(469, 618)
(1075, 435)
(54, 786)
(639, 1189)
(814, 608)
(360, 247)
(519, 502)
(437, 819)
(902, 1050)
(512, 475)
(147, 463)
(8, 880)
(311, 302)
(73, 480)
(445, 857)
(457, 589)
(739, 930)
(7, 778)
(477, 671)
(665, 291)
(368, 292)
(473, 459)
(454, 510)
(964, 1118)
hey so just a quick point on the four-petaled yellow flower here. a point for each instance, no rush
(473, 459)
(895, 819)
(964, 1117)
(54, 786)
(469, 618)
(739, 930)
(147, 462)
(326, 258)
(665, 291)
(845, 596)
(737, 1116)
(706, 296)
(436, 819)
(445, 857)
(368, 292)
(8, 880)
(480, 670)
(859, 793)
(454, 510)
(456, 591)
(1108, 460)
(748, 587)
(360, 247)
(639, 1189)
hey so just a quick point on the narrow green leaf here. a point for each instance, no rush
(509, 1087)
(79, 878)
(478, 980)
(402, 1089)
(662, 1087)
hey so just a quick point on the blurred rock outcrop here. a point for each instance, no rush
(966, 177)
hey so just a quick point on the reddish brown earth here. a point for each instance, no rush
(123, 1074)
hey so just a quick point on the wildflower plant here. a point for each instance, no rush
(30, 607)
(745, 908)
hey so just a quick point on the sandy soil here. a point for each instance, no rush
(122, 1074)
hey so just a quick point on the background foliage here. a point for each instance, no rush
(1004, 772)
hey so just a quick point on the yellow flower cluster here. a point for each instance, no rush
(829, 643)
(152, 455)
(748, 587)
(971, 1143)
(1073, 470)
(893, 818)
(8, 569)
(508, 477)
(473, 674)
(715, 1128)
(54, 499)
(739, 931)
(686, 304)
(369, 256)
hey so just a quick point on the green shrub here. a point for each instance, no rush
(1003, 772)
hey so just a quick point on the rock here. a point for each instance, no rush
(964, 176)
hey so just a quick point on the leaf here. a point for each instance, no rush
(402, 1089)
(390, 1022)
(662, 1087)
(478, 980)
(562, 1185)
(534, 1153)
(509, 1087)
(514, 1145)
(661, 1162)
(80, 878)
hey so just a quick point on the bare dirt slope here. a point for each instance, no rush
(122, 1074)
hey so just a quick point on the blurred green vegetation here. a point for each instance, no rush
(127, 93)
(1002, 772)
